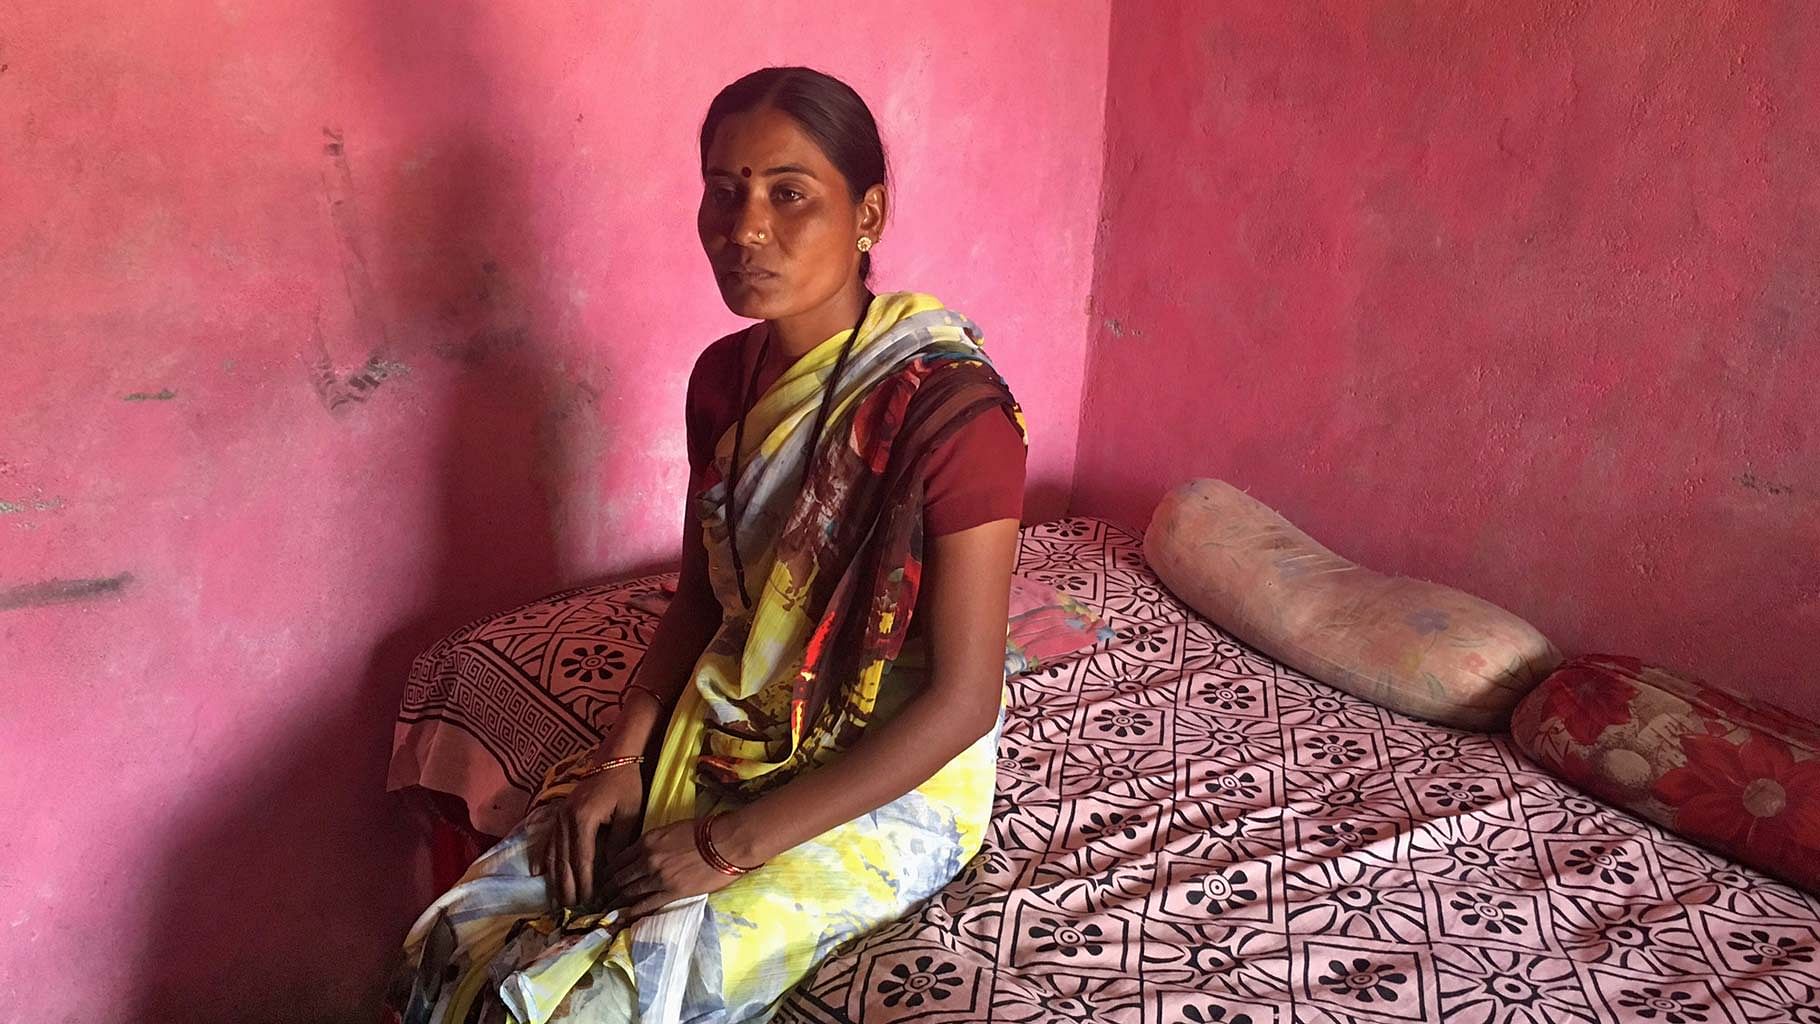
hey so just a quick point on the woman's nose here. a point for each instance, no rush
(752, 226)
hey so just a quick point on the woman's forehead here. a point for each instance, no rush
(761, 141)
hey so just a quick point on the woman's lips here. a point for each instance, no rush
(746, 275)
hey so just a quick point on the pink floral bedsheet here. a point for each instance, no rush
(1187, 831)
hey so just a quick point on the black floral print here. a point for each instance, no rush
(1010, 759)
(1363, 980)
(1760, 949)
(1345, 835)
(1120, 722)
(1148, 640)
(1213, 1014)
(1100, 826)
(1605, 862)
(1222, 892)
(1067, 938)
(1671, 1006)
(1496, 914)
(601, 662)
(1241, 784)
(1226, 695)
(913, 987)
(1335, 750)
(1454, 793)
(1066, 582)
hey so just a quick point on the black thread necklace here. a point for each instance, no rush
(815, 435)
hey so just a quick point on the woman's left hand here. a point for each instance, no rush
(663, 867)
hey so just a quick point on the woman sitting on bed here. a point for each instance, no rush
(808, 747)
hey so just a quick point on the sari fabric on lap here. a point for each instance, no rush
(782, 688)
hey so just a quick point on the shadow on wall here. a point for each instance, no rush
(290, 884)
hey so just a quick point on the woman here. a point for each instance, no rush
(828, 706)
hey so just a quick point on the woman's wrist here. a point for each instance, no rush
(631, 733)
(741, 837)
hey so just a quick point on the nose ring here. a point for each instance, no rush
(761, 236)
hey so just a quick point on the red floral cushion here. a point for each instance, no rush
(1738, 776)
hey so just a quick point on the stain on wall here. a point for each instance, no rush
(31, 595)
(1519, 297)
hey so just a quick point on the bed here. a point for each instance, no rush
(1188, 831)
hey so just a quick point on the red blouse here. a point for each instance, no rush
(975, 477)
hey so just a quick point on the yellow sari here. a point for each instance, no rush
(781, 688)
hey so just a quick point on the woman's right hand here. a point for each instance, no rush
(598, 819)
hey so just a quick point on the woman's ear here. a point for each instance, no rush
(872, 209)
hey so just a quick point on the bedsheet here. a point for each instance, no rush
(1187, 831)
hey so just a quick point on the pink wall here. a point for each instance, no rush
(328, 326)
(1520, 297)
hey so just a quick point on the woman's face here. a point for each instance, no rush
(777, 220)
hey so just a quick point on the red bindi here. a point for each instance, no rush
(745, 172)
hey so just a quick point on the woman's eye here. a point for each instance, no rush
(722, 196)
(787, 195)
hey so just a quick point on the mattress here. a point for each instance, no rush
(1187, 831)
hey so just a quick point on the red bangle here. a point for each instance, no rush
(704, 845)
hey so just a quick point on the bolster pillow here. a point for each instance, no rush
(1416, 647)
(1730, 773)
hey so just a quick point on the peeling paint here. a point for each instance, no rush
(335, 387)
(8, 508)
(163, 395)
(32, 595)
(1120, 329)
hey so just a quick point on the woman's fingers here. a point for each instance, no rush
(625, 857)
(623, 879)
(567, 871)
(640, 888)
(620, 835)
(634, 865)
(600, 874)
(587, 834)
(553, 861)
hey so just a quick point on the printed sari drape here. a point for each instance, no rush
(834, 565)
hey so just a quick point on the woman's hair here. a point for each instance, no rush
(826, 108)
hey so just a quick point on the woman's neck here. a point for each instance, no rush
(796, 335)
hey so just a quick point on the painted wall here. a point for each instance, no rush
(1520, 297)
(328, 326)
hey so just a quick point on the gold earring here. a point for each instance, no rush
(865, 244)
